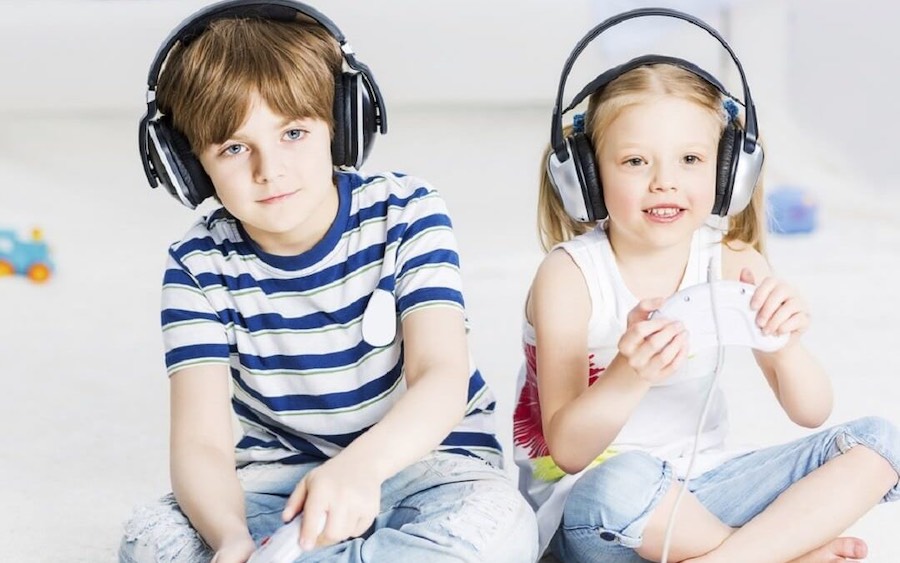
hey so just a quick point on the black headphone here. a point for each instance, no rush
(571, 165)
(359, 110)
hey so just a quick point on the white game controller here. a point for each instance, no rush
(281, 547)
(693, 307)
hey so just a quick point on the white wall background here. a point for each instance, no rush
(843, 85)
(819, 69)
(469, 87)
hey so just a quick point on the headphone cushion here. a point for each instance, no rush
(344, 149)
(588, 175)
(339, 152)
(192, 177)
(729, 146)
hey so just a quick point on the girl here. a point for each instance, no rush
(609, 399)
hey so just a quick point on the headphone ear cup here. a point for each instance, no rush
(588, 176)
(185, 177)
(726, 166)
(354, 121)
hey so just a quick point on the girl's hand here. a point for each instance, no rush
(779, 308)
(235, 551)
(653, 348)
(339, 500)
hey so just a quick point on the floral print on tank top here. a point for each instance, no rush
(528, 433)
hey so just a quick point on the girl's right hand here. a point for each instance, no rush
(235, 551)
(653, 348)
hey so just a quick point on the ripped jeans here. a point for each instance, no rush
(609, 506)
(446, 507)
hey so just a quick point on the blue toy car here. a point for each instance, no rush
(27, 258)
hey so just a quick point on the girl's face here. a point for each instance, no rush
(657, 163)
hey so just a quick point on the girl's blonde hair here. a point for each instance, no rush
(205, 87)
(633, 87)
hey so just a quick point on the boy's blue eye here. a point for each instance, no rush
(233, 149)
(294, 134)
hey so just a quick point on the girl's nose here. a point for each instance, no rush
(663, 179)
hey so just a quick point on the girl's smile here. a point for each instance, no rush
(663, 214)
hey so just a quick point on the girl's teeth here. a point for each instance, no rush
(663, 212)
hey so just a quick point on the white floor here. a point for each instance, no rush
(85, 397)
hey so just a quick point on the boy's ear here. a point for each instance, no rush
(177, 166)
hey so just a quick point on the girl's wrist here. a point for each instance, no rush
(630, 376)
(792, 346)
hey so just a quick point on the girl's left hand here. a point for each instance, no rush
(780, 310)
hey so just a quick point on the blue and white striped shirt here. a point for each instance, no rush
(305, 383)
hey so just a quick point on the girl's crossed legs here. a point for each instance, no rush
(774, 504)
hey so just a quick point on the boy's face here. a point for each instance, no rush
(658, 171)
(275, 175)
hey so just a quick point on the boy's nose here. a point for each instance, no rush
(267, 169)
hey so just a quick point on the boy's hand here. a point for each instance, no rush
(235, 551)
(779, 308)
(339, 500)
(653, 348)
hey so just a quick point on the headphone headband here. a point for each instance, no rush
(608, 76)
(557, 139)
(197, 23)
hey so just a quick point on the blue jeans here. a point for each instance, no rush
(609, 506)
(447, 507)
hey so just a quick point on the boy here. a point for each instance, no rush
(326, 307)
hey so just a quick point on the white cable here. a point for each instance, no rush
(720, 356)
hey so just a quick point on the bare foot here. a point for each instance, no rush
(837, 550)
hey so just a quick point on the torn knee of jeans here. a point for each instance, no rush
(478, 519)
(162, 533)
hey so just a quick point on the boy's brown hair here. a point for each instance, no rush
(205, 86)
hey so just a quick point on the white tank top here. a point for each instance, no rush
(664, 422)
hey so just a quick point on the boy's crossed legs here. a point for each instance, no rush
(447, 507)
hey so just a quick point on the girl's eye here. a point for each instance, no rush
(691, 159)
(294, 134)
(636, 161)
